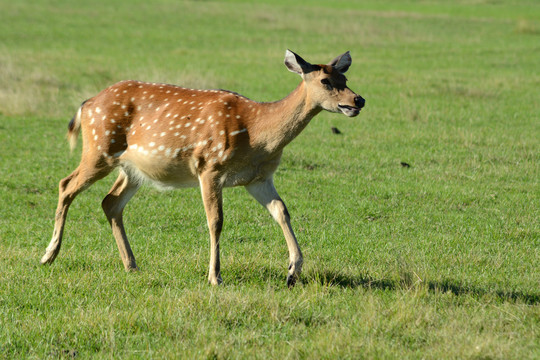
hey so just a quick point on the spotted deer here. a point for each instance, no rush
(177, 137)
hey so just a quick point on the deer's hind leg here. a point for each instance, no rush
(88, 172)
(113, 205)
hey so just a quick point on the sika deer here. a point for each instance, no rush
(176, 137)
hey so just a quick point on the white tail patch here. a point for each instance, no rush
(74, 129)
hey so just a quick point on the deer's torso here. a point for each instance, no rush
(170, 135)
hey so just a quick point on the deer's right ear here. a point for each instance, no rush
(296, 64)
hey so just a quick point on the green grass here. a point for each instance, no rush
(439, 260)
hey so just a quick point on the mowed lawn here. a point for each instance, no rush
(419, 223)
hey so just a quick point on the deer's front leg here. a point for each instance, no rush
(266, 194)
(211, 191)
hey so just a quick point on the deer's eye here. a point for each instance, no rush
(327, 84)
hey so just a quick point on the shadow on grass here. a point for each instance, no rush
(331, 278)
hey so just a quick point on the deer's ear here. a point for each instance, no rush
(296, 64)
(342, 62)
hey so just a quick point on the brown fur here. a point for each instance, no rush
(178, 137)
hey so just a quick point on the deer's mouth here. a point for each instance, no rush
(350, 111)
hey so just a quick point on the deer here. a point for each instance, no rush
(174, 137)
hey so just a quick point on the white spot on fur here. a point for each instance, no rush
(234, 133)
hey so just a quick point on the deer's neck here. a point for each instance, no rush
(280, 122)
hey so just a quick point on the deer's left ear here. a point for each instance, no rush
(296, 64)
(342, 62)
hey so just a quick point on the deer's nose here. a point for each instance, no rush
(359, 101)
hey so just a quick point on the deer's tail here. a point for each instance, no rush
(74, 128)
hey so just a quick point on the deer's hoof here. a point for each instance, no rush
(291, 280)
(215, 280)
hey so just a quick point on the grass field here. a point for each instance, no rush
(436, 260)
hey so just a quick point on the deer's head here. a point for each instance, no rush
(326, 84)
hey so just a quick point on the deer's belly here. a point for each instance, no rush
(164, 175)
